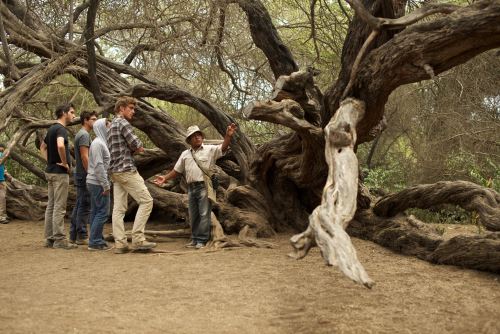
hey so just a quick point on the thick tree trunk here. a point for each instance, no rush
(328, 221)
(280, 182)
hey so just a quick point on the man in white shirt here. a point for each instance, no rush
(189, 163)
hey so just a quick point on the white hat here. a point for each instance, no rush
(192, 130)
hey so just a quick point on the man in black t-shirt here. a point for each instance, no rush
(55, 150)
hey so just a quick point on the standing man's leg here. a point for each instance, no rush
(74, 216)
(119, 209)
(204, 210)
(141, 195)
(49, 211)
(83, 211)
(102, 215)
(3, 205)
(194, 215)
(93, 209)
(133, 184)
(100, 209)
(61, 185)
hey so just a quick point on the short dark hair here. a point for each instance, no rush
(124, 101)
(63, 109)
(2, 145)
(86, 115)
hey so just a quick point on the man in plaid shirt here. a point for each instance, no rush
(122, 144)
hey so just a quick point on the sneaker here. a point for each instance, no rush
(64, 245)
(199, 245)
(81, 242)
(121, 250)
(143, 245)
(49, 243)
(98, 248)
(192, 244)
(4, 220)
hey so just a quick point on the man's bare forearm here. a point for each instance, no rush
(62, 154)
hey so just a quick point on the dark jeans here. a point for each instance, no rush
(81, 211)
(200, 209)
(99, 214)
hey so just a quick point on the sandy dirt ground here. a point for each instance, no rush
(245, 290)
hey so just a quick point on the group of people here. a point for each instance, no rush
(108, 160)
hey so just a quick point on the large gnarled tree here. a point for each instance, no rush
(306, 179)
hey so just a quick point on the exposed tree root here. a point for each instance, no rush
(24, 201)
(28, 202)
(403, 235)
(468, 195)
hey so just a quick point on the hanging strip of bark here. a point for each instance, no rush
(468, 195)
(329, 220)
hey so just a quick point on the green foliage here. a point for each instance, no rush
(446, 214)
(381, 178)
(393, 173)
(20, 173)
(441, 129)
(485, 173)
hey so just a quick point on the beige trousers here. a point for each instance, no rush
(132, 183)
(56, 206)
(3, 204)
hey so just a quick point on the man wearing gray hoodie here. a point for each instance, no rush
(98, 185)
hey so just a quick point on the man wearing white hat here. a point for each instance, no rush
(194, 164)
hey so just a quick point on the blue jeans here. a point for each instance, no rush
(99, 214)
(200, 209)
(80, 214)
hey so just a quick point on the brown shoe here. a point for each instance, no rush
(143, 245)
(192, 244)
(63, 244)
(81, 242)
(121, 250)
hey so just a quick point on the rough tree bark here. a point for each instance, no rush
(278, 184)
(468, 195)
(328, 221)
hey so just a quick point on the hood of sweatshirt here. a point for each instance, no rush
(100, 129)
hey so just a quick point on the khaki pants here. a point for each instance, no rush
(132, 183)
(3, 205)
(56, 206)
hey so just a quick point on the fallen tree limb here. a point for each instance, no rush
(468, 195)
(481, 252)
(26, 202)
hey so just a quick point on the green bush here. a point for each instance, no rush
(447, 214)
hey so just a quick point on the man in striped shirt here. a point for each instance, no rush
(122, 144)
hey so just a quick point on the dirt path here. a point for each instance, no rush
(240, 291)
